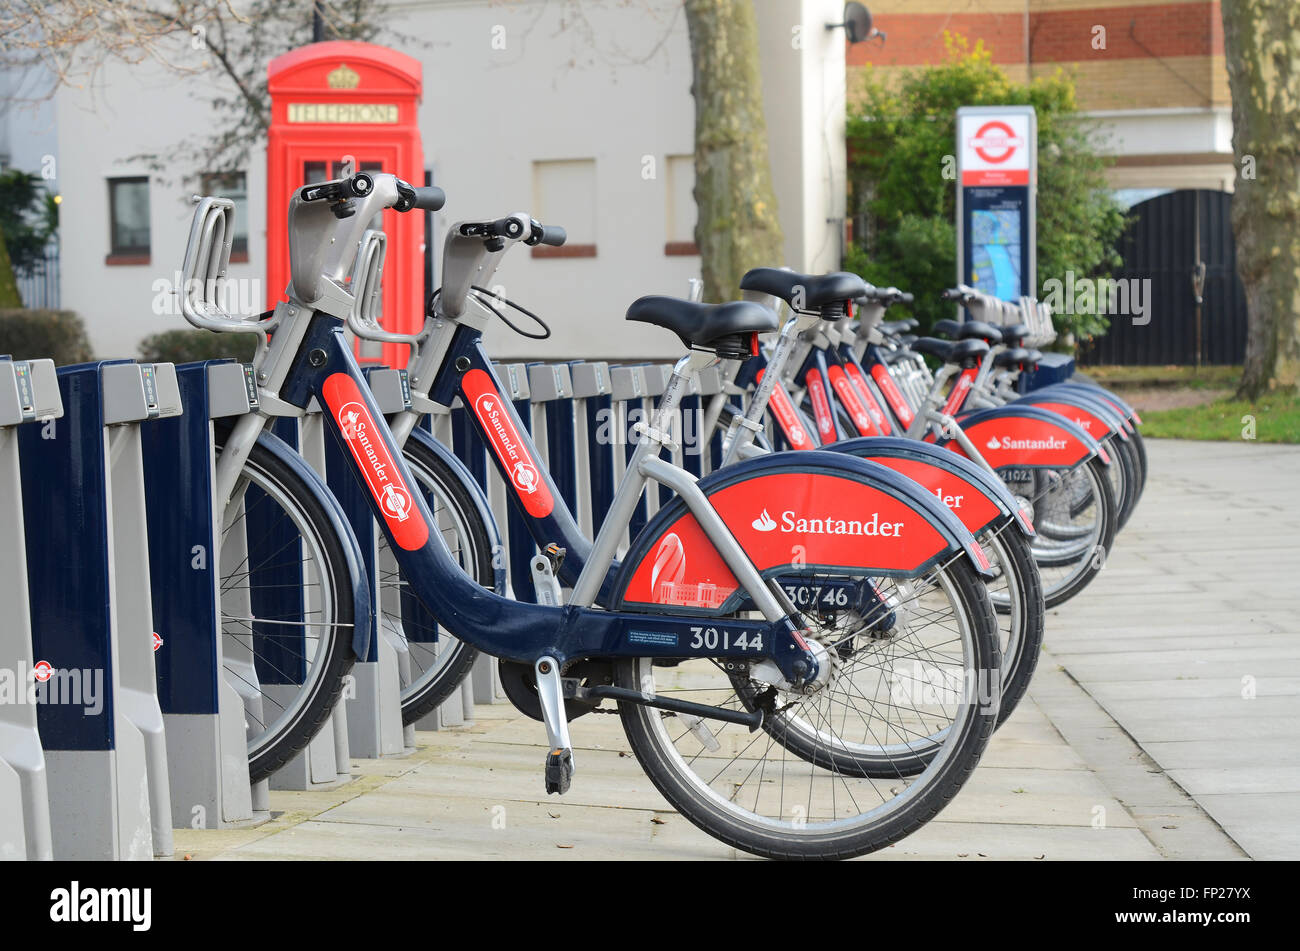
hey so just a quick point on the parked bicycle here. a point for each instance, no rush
(716, 671)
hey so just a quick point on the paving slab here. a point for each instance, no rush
(1208, 685)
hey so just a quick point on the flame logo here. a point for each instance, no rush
(349, 415)
(993, 443)
(670, 562)
(764, 522)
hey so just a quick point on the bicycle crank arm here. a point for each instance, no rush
(602, 692)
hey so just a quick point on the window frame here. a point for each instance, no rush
(239, 244)
(118, 254)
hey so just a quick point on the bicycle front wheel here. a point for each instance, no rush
(432, 662)
(287, 616)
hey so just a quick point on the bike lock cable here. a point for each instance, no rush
(484, 297)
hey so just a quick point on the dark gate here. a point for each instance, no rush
(1161, 246)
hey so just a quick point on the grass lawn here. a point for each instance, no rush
(1276, 418)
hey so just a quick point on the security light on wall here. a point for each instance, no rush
(857, 24)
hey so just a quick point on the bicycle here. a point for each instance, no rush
(1016, 591)
(292, 579)
(993, 384)
(700, 601)
(1050, 463)
(980, 501)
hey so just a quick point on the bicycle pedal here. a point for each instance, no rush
(559, 771)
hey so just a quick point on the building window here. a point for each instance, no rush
(564, 194)
(128, 213)
(232, 185)
(681, 213)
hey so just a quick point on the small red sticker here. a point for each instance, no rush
(157, 641)
(821, 406)
(893, 394)
(959, 391)
(369, 448)
(864, 393)
(783, 409)
(42, 670)
(849, 399)
(494, 415)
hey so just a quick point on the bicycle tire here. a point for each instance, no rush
(311, 711)
(438, 480)
(917, 803)
(1092, 559)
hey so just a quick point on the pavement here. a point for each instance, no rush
(1163, 723)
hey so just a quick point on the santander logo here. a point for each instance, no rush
(1006, 442)
(372, 456)
(506, 442)
(828, 525)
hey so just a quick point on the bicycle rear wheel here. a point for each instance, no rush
(1075, 517)
(797, 788)
(1016, 591)
(287, 616)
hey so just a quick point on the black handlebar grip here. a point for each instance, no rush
(430, 198)
(952, 293)
(553, 235)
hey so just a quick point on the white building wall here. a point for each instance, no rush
(504, 87)
(28, 130)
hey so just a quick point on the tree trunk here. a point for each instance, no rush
(1262, 44)
(737, 227)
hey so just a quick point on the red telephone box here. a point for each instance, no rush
(337, 99)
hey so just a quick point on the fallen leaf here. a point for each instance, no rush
(554, 815)
(656, 820)
(564, 846)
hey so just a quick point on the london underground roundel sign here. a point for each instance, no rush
(995, 150)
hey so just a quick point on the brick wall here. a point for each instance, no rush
(1156, 55)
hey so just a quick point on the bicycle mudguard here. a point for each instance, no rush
(792, 514)
(1025, 437)
(1130, 415)
(355, 563)
(973, 494)
(1098, 419)
(479, 498)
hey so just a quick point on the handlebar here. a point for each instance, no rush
(424, 197)
(552, 235)
(514, 228)
(362, 185)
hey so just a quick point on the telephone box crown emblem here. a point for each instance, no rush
(343, 78)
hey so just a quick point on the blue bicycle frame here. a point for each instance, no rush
(326, 369)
